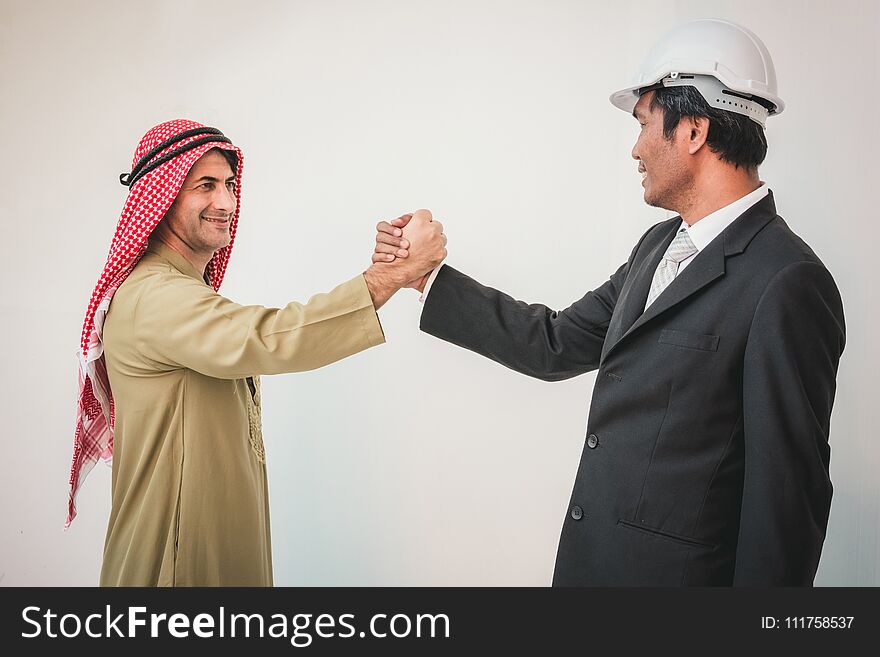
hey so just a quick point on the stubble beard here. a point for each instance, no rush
(676, 194)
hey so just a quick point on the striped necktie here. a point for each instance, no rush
(680, 249)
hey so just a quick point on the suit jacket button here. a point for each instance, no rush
(577, 512)
(592, 441)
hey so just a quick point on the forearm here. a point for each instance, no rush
(381, 284)
(189, 325)
(529, 338)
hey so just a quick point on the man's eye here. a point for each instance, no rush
(231, 184)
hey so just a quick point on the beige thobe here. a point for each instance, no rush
(190, 502)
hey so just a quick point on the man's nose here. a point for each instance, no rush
(635, 151)
(223, 198)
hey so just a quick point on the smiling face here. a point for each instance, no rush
(663, 162)
(201, 213)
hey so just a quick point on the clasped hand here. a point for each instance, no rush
(410, 248)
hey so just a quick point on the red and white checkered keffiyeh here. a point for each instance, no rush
(148, 200)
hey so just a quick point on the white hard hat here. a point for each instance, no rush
(727, 64)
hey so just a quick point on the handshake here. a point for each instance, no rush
(407, 250)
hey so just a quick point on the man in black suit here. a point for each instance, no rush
(716, 343)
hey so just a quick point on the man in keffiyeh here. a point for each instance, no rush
(169, 370)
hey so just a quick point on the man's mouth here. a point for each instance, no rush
(217, 220)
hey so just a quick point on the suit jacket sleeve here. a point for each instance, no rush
(794, 345)
(529, 338)
(184, 323)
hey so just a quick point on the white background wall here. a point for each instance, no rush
(415, 463)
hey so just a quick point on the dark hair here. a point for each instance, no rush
(736, 138)
(230, 156)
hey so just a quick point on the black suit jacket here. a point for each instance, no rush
(706, 453)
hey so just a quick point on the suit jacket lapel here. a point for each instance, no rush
(634, 294)
(707, 266)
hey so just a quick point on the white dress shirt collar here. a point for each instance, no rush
(712, 225)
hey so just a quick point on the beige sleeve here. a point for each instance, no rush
(184, 323)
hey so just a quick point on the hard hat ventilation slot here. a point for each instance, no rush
(737, 95)
(740, 105)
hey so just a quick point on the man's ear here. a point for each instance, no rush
(697, 132)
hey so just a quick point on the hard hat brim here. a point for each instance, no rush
(627, 98)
